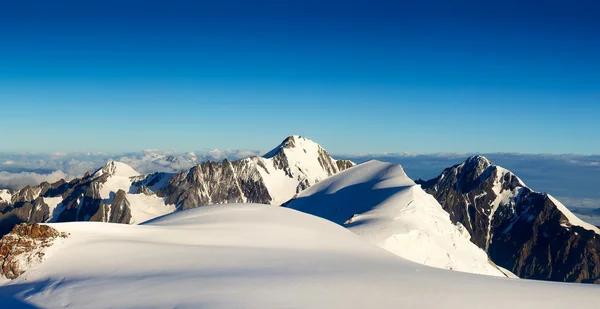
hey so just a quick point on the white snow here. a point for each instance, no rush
(571, 218)
(5, 195)
(145, 207)
(379, 202)
(120, 178)
(53, 203)
(281, 187)
(303, 161)
(253, 256)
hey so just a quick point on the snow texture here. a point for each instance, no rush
(379, 202)
(253, 256)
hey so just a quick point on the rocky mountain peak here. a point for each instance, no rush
(530, 233)
(115, 168)
(292, 142)
(477, 163)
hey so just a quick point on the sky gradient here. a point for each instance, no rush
(353, 76)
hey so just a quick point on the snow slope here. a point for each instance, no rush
(253, 256)
(378, 201)
(145, 207)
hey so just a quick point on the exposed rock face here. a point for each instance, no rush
(296, 164)
(107, 194)
(527, 232)
(215, 183)
(80, 198)
(23, 246)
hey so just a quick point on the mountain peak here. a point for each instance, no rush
(293, 142)
(116, 168)
(476, 164)
(479, 160)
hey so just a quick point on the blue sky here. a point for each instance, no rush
(356, 77)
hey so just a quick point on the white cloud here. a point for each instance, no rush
(20, 180)
(21, 169)
(580, 202)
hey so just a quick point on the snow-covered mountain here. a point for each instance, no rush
(530, 233)
(274, 178)
(253, 256)
(117, 193)
(378, 201)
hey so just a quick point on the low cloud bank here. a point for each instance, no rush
(23, 179)
(18, 170)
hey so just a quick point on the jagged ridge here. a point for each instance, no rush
(117, 193)
(530, 233)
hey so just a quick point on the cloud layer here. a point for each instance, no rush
(18, 170)
(22, 179)
(570, 178)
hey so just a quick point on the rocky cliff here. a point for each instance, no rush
(24, 246)
(529, 233)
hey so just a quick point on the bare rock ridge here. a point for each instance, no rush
(527, 232)
(117, 193)
(24, 246)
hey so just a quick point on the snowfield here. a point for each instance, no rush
(379, 202)
(255, 256)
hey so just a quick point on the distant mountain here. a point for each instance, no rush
(380, 202)
(529, 233)
(117, 193)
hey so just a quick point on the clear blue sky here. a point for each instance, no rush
(471, 76)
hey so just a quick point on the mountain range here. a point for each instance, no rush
(117, 193)
(474, 217)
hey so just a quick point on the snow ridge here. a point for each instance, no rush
(378, 201)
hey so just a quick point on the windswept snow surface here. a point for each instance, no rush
(255, 256)
(378, 201)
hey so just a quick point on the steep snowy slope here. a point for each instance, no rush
(528, 232)
(252, 256)
(380, 202)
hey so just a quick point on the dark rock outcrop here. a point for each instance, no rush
(24, 246)
(214, 183)
(524, 231)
